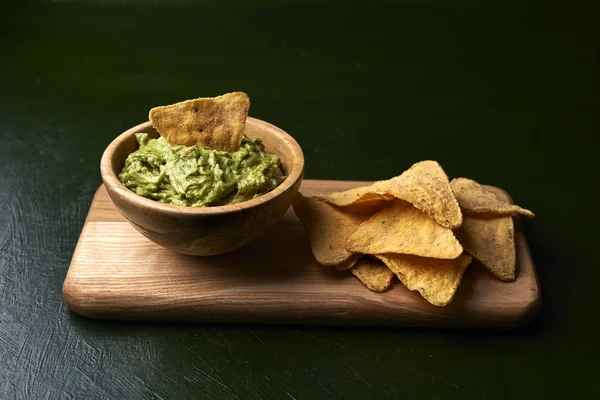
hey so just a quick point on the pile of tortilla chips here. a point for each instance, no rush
(418, 226)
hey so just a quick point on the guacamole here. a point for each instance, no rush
(196, 177)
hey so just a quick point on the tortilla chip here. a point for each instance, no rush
(436, 280)
(375, 193)
(425, 185)
(475, 199)
(366, 207)
(215, 122)
(327, 227)
(491, 241)
(349, 263)
(373, 273)
(401, 228)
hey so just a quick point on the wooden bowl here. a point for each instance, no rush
(205, 230)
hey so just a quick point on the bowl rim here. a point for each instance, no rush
(111, 181)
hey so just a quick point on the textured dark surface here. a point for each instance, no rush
(503, 92)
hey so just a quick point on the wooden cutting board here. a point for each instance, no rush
(116, 273)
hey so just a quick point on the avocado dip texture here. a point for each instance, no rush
(196, 177)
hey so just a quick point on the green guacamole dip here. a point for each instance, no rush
(197, 177)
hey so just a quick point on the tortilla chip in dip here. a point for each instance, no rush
(214, 122)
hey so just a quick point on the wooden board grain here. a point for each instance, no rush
(116, 273)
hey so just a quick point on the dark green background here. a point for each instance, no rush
(506, 93)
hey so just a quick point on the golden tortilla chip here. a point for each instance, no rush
(373, 273)
(491, 241)
(475, 199)
(327, 227)
(366, 207)
(349, 263)
(375, 193)
(436, 280)
(425, 185)
(215, 122)
(401, 228)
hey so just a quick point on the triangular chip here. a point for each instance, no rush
(373, 273)
(215, 122)
(401, 228)
(425, 185)
(475, 199)
(327, 228)
(366, 207)
(349, 263)
(375, 193)
(491, 241)
(436, 280)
